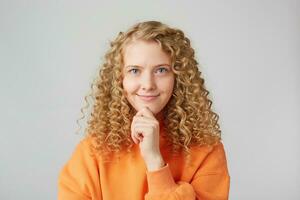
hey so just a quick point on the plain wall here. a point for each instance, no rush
(249, 55)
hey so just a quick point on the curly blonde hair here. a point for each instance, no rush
(188, 118)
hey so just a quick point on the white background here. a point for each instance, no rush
(249, 54)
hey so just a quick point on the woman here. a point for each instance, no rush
(152, 133)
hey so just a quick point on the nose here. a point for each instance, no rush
(148, 82)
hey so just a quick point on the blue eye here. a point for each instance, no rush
(162, 69)
(132, 70)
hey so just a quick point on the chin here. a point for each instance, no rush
(154, 110)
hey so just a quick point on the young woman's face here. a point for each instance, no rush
(148, 79)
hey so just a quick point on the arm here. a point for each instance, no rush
(211, 181)
(79, 177)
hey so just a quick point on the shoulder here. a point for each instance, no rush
(85, 148)
(217, 153)
(79, 176)
(208, 149)
(86, 142)
(81, 159)
(211, 158)
(217, 149)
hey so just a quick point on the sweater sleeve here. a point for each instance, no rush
(79, 177)
(210, 182)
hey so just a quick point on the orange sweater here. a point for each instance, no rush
(87, 177)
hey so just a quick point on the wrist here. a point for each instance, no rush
(154, 162)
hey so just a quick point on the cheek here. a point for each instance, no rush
(128, 85)
(167, 85)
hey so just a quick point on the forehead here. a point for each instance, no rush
(141, 52)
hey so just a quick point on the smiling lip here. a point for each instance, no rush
(148, 97)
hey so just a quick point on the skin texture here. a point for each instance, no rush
(147, 72)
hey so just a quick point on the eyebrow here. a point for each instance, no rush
(143, 67)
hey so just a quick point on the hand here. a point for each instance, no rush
(145, 132)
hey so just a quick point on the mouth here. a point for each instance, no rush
(147, 97)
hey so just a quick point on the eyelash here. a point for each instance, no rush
(158, 69)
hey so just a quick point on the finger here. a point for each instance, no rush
(141, 131)
(143, 119)
(137, 137)
(135, 140)
(132, 134)
(140, 137)
(147, 123)
(138, 131)
(145, 111)
(139, 113)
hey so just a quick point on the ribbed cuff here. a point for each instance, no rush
(161, 180)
